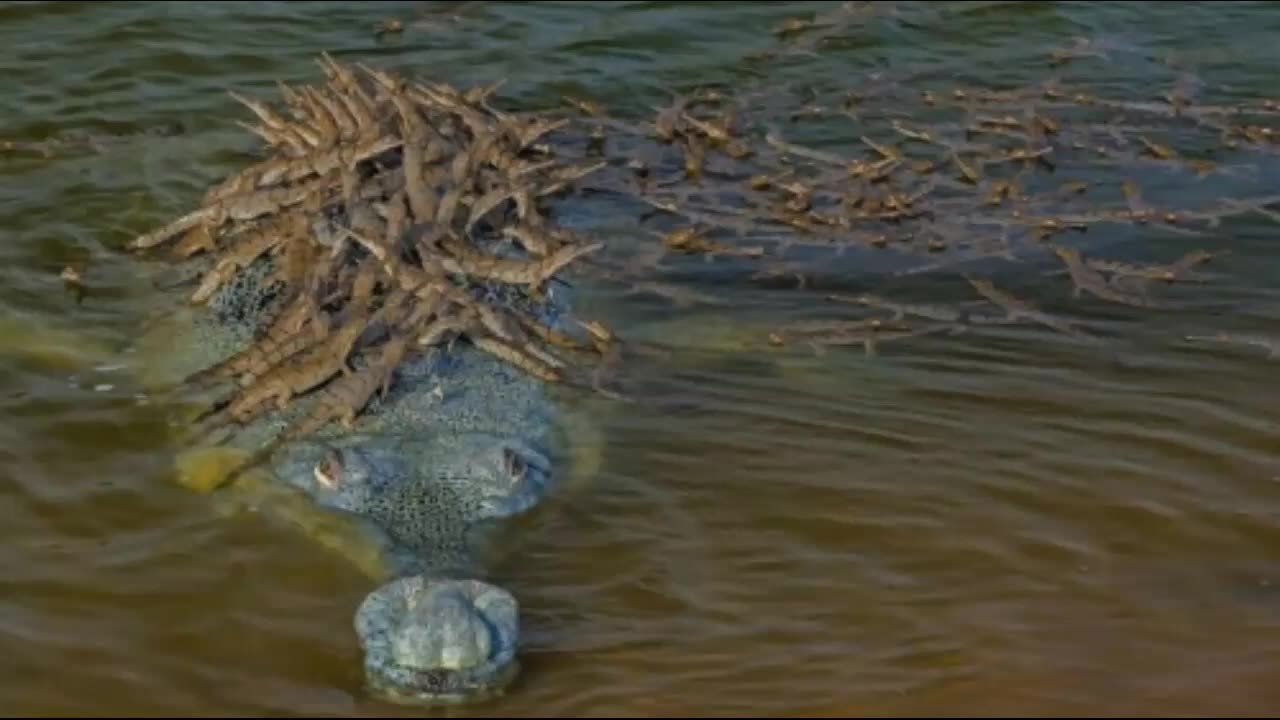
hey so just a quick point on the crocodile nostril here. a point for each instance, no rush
(514, 465)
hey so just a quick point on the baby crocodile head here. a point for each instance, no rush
(430, 641)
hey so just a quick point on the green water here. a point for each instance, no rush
(982, 524)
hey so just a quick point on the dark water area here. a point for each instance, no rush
(995, 522)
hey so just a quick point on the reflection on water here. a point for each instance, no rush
(987, 523)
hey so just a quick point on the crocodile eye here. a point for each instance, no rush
(328, 471)
(513, 465)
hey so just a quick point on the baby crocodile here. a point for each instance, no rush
(1089, 280)
(1018, 309)
(901, 310)
(1269, 343)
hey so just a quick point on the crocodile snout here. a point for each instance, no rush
(439, 641)
(443, 630)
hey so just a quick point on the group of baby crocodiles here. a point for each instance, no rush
(936, 178)
(393, 288)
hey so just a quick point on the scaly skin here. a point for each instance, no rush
(408, 492)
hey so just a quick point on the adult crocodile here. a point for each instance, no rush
(372, 250)
(461, 442)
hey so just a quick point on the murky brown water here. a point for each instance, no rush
(970, 525)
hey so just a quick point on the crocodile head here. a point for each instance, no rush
(447, 481)
(434, 634)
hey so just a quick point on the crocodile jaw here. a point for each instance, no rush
(434, 641)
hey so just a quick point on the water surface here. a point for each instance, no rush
(989, 524)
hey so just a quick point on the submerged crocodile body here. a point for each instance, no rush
(460, 442)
